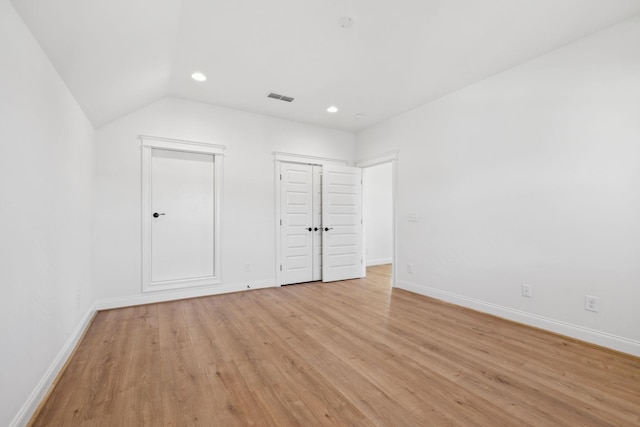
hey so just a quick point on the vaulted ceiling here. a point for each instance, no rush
(117, 56)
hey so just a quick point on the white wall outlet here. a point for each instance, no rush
(410, 268)
(591, 303)
(412, 216)
(527, 291)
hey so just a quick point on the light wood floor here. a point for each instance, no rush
(343, 353)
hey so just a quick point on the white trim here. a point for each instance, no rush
(377, 159)
(394, 237)
(604, 339)
(195, 282)
(40, 392)
(181, 145)
(276, 182)
(312, 160)
(379, 261)
(148, 144)
(174, 295)
(394, 214)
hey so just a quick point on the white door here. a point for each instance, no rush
(296, 228)
(342, 223)
(317, 223)
(182, 216)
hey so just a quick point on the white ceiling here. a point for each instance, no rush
(119, 55)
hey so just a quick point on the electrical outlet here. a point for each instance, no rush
(591, 303)
(410, 268)
(527, 291)
(247, 266)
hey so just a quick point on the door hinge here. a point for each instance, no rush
(281, 222)
(280, 177)
(280, 267)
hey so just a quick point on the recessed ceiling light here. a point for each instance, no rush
(199, 77)
(360, 116)
(332, 109)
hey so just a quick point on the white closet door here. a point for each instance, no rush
(342, 223)
(296, 209)
(317, 222)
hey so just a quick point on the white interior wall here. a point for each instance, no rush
(45, 220)
(378, 213)
(530, 176)
(248, 206)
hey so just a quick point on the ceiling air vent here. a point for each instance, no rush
(280, 97)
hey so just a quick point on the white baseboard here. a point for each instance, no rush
(31, 405)
(379, 261)
(172, 295)
(603, 339)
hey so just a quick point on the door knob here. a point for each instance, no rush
(328, 228)
(309, 228)
(156, 214)
(316, 229)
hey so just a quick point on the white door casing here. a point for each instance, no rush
(181, 183)
(342, 256)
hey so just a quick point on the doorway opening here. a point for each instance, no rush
(380, 214)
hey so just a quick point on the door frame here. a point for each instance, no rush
(147, 145)
(278, 158)
(389, 157)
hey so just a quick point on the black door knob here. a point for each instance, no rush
(328, 228)
(309, 228)
(315, 229)
(156, 214)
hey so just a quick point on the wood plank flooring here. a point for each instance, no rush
(343, 353)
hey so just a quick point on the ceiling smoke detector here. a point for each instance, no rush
(280, 97)
(345, 22)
